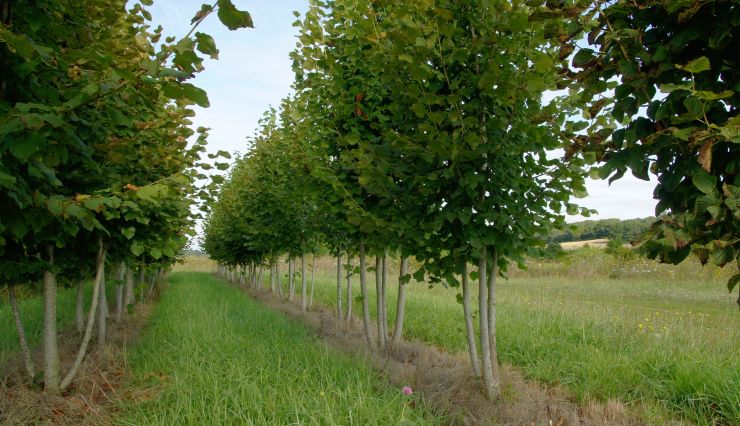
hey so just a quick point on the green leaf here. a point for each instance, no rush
(206, 45)
(137, 248)
(705, 182)
(155, 253)
(6, 180)
(696, 66)
(128, 232)
(196, 94)
(232, 17)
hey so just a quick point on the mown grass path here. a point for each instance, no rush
(214, 356)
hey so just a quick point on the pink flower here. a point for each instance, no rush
(407, 390)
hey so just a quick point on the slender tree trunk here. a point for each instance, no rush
(291, 281)
(492, 322)
(383, 298)
(259, 276)
(313, 269)
(472, 349)
(80, 311)
(378, 297)
(277, 278)
(99, 280)
(128, 298)
(51, 348)
(485, 348)
(104, 302)
(365, 299)
(401, 302)
(101, 302)
(349, 289)
(22, 340)
(141, 282)
(272, 276)
(304, 293)
(340, 314)
(119, 291)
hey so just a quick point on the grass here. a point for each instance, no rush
(31, 307)
(217, 357)
(666, 347)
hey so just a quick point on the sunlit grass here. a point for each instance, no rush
(214, 356)
(666, 347)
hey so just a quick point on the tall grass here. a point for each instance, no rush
(665, 344)
(217, 357)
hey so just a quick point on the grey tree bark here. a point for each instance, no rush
(493, 349)
(349, 289)
(401, 302)
(142, 282)
(365, 299)
(485, 348)
(277, 278)
(51, 346)
(99, 280)
(313, 269)
(119, 290)
(340, 314)
(128, 297)
(22, 339)
(378, 297)
(467, 312)
(101, 303)
(291, 281)
(304, 293)
(80, 310)
(383, 296)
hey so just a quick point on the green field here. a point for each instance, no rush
(214, 356)
(666, 348)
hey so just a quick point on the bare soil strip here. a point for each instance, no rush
(446, 380)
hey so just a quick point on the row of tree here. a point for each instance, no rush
(623, 230)
(457, 132)
(95, 167)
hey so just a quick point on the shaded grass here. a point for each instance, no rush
(666, 348)
(32, 308)
(217, 357)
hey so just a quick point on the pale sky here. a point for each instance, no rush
(254, 72)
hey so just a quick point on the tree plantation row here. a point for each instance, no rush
(95, 167)
(458, 132)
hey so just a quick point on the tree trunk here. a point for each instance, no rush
(349, 289)
(259, 276)
(383, 298)
(313, 269)
(119, 291)
(304, 294)
(51, 348)
(272, 276)
(379, 304)
(472, 349)
(277, 278)
(99, 280)
(80, 311)
(492, 322)
(291, 282)
(485, 348)
(401, 302)
(142, 282)
(340, 314)
(101, 303)
(104, 300)
(365, 299)
(22, 340)
(128, 298)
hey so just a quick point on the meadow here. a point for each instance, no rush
(660, 339)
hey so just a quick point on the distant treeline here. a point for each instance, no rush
(626, 230)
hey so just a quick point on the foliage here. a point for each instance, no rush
(627, 230)
(659, 84)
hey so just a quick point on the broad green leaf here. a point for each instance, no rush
(705, 182)
(232, 17)
(697, 65)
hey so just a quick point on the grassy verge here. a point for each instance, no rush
(666, 348)
(217, 357)
(32, 308)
